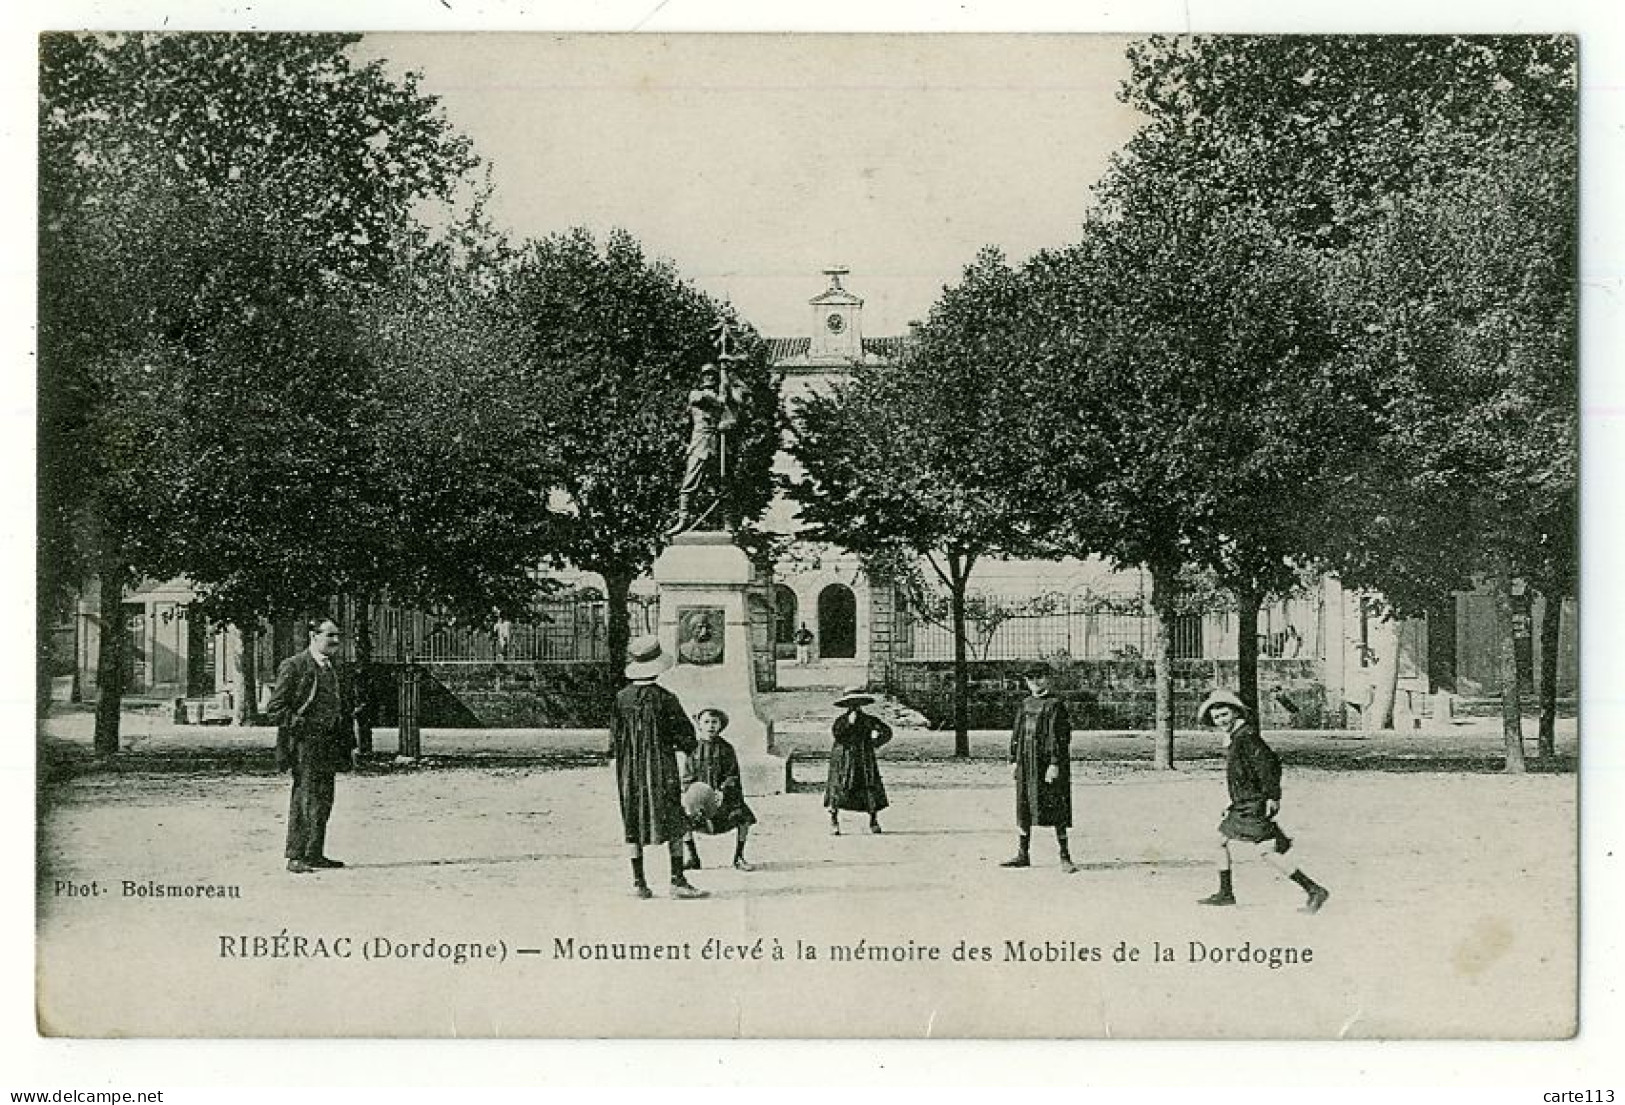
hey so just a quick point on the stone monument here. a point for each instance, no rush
(703, 577)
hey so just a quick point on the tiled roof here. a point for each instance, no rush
(782, 349)
(787, 350)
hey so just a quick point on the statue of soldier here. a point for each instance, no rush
(713, 409)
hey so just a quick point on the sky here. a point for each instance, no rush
(755, 162)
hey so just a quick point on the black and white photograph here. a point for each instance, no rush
(1034, 536)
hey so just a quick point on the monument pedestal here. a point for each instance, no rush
(705, 627)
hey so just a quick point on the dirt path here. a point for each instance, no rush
(1453, 911)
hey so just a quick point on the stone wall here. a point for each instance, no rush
(502, 696)
(1112, 694)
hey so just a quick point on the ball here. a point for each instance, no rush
(701, 801)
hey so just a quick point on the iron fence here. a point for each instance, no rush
(570, 630)
(1288, 629)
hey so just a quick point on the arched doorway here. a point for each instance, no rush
(837, 623)
(785, 622)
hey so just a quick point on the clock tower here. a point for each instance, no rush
(837, 332)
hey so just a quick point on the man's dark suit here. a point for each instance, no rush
(315, 718)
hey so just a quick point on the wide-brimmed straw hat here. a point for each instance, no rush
(1220, 698)
(854, 696)
(645, 659)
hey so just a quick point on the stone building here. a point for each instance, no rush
(816, 585)
(1317, 649)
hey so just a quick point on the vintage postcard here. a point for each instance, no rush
(808, 536)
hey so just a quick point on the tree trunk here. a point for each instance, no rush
(283, 637)
(110, 661)
(365, 707)
(1162, 652)
(44, 636)
(1550, 638)
(1383, 636)
(1507, 655)
(248, 684)
(1248, 602)
(617, 586)
(959, 578)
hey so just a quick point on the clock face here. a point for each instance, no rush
(836, 323)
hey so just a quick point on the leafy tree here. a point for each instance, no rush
(1317, 132)
(1556, 577)
(611, 344)
(1352, 144)
(210, 207)
(1467, 297)
(928, 458)
(461, 517)
(1204, 409)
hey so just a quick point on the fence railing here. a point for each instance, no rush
(569, 630)
(1289, 629)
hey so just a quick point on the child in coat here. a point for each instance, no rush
(715, 763)
(854, 774)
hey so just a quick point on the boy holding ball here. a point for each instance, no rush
(715, 763)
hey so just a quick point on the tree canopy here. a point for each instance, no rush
(1435, 177)
(215, 213)
(611, 342)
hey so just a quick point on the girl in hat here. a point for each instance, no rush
(646, 730)
(854, 775)
(714, 763)
(1253, 772)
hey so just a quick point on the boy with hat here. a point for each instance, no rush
(1253, 772)
(854, 774)
(1041, 764)
(715, 763)
(646, 731)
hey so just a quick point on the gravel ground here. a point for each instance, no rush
(1453, 911)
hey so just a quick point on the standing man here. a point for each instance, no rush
(313, 707)
(646, 731)
(1253, 772)
(1041, 764)
(804, 643)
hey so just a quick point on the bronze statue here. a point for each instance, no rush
(714, 407)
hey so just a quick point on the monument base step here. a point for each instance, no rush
(763, 774)
(823, 674)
